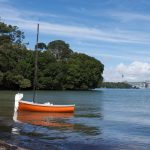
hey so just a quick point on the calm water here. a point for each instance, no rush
(104, 119)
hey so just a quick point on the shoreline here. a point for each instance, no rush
(7, 146)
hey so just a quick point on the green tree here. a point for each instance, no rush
(59, 49)
(83, 72)
(58, 66)
(16, 62)
(10, 34)
(122, 85)
(25, 83)
(41, 46)
(1, 77)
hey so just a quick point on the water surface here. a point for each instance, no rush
(104, 119)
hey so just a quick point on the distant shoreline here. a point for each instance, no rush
(106, 85)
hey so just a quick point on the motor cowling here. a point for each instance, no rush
(18, 97)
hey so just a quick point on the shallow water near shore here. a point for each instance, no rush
(104, 119)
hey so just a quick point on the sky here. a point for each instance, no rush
(116, 32)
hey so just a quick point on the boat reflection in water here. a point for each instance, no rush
(43, 119)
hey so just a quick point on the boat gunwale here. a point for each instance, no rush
(46, 105)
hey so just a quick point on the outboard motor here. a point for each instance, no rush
(18, 97)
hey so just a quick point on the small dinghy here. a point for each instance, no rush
(22, 105)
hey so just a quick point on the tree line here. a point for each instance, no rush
(121, 85)
(59, 67)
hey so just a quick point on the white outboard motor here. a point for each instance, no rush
(18, 97)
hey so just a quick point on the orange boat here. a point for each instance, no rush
(30, 106)
(36, 107)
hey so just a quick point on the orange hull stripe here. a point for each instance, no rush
(37, 108)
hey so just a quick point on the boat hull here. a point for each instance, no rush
(29, 106)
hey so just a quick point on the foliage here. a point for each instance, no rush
(25, 83)
(83, 72)
(121, 85)
(41, 46)
(58, 66)
(59, 49)
(10, 34)
(1, 77)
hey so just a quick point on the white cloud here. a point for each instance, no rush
(136, 71)
(130, 16)
(25, 20)
(39, 14)
(83, 32)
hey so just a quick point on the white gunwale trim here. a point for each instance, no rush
(51, 105)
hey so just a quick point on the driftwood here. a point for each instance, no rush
(6, 146)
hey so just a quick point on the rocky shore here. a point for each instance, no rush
(6, 146)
